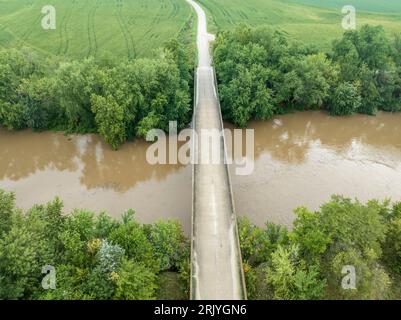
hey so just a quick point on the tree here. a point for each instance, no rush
(77, 82)
(40, 98)
(104, 225)
(7, 204)
(169, 243)
(13, 116)
(134, 281)
(346, 100)
(78, 230)
(309, 236)
(110, 120)
(255, 245)
(367, 57)
(94, 257)
(132, 238)
(315, 74)
(392, 246)
(290, 279)
(109, 256)
(183, 58)
(344, 232)
(371, 280)
(23, 253)
(351, 224)
(99, 282)
(246, 97)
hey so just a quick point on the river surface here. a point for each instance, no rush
(300, 159)
(86, 173)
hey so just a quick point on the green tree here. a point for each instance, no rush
(315, 74)
(78, 230)
(291, 279)
(392, 246)
(169, 243)
(255, 245)
(77, 82)
(7, 204)
(23, 252)
(346, 100)
(246, 97)
(134, 281)
(110, 120)
(13, 116)
(132, 238)
(309, 236)
(40, 98)
(371, 280)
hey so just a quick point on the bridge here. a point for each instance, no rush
(216, 270)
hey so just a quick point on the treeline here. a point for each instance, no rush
(94, 257)
(262, 73)
(315, 258)
(97, 257)
(119, 100)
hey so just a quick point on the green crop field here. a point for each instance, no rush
(386, 6)
(92, 27)
(311, 21)
(129, 28)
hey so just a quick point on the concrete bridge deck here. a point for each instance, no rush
(216, 271)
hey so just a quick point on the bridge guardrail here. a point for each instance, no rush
(193, 127)
(233, 212)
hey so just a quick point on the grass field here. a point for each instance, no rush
(131, 28)
(311, 21)
(92, 27)
(386, 6)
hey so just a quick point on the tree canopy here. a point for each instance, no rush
(94, 256)
(308, 261)
(118, 100)
(261, 73)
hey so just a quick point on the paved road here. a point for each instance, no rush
(216, 262)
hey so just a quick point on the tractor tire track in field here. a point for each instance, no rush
(130, 37)
(28, 32)
(149, 34)
(64, 41)
(129, 42)
(93, 47)
(175, 10)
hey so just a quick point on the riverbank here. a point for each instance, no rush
(300, 159)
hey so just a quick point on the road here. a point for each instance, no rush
(216, 271)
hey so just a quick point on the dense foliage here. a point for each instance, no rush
(97, 257)
(118, 100)
(307, 262)
(262, 73)
(94, 256)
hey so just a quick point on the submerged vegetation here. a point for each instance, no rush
(262, 73)
(119, 100)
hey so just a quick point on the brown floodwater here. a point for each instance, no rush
(86, 173)
(300, 159)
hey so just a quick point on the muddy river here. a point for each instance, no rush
(300, 159)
